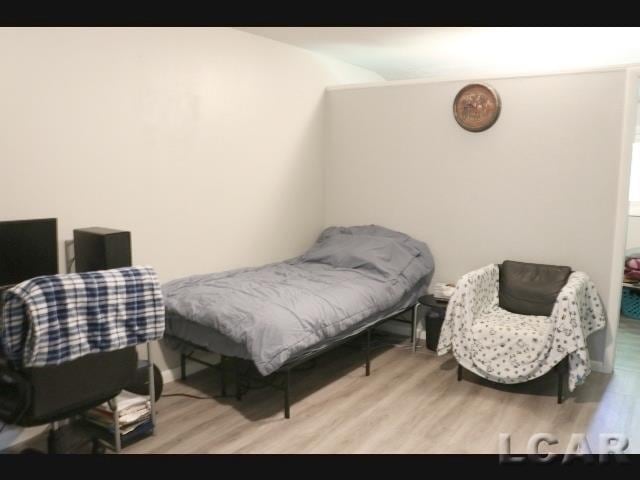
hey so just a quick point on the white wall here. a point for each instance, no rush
(633, 232)
(205, 143)
(539, 186)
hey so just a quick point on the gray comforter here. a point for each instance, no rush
(278, 310)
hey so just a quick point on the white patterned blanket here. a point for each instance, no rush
(510, 348)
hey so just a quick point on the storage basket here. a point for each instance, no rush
(631, 303)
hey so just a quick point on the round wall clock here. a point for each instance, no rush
(476, 107)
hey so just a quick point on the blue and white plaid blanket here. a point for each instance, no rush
(53, 319)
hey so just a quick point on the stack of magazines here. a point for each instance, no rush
(443, 291)
(133, 412)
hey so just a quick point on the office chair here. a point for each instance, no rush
(46, 395)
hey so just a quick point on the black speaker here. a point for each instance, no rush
(98, 248)
(140, 384)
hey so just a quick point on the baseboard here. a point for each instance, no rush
(598, 366)
(172, 374)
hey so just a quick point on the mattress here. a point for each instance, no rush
(351, 277)
(183, 334)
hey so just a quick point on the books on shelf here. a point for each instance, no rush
(108, 423)
(141, 430)
(127, 400)
(133, 411)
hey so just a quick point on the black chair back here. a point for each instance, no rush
(530, 288)
(57, 392)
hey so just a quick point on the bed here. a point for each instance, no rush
(282, 314)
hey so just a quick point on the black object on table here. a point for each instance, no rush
(436, 309)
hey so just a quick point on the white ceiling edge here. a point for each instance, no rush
(479, 77)
(404, 53)
(322, 56)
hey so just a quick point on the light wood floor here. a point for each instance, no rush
(411, 403)
(628, 345)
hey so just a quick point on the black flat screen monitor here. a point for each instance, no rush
(28, 248)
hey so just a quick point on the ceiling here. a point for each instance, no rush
(398, 53)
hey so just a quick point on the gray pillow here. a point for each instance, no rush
(530, 288)
(381, 255)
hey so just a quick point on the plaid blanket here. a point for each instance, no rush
(53, 319)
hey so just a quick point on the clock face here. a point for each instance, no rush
(476, 107)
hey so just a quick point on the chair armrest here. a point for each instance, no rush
(579, 300)
(575, 282)
(577, 313)
(478, 289)
(475, 292)
(573, 290)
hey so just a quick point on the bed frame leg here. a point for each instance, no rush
(287, 381)
(414, 326)
(560, 369)
(183, 366)
(223, 383)
(367, 365)
(236, 373)
(459, 372)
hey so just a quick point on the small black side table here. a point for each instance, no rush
(436, 309)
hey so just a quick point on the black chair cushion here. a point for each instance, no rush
(530, 288)
(64, 390)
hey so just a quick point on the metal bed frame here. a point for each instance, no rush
(302, 357)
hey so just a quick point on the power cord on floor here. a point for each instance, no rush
(188, 395)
